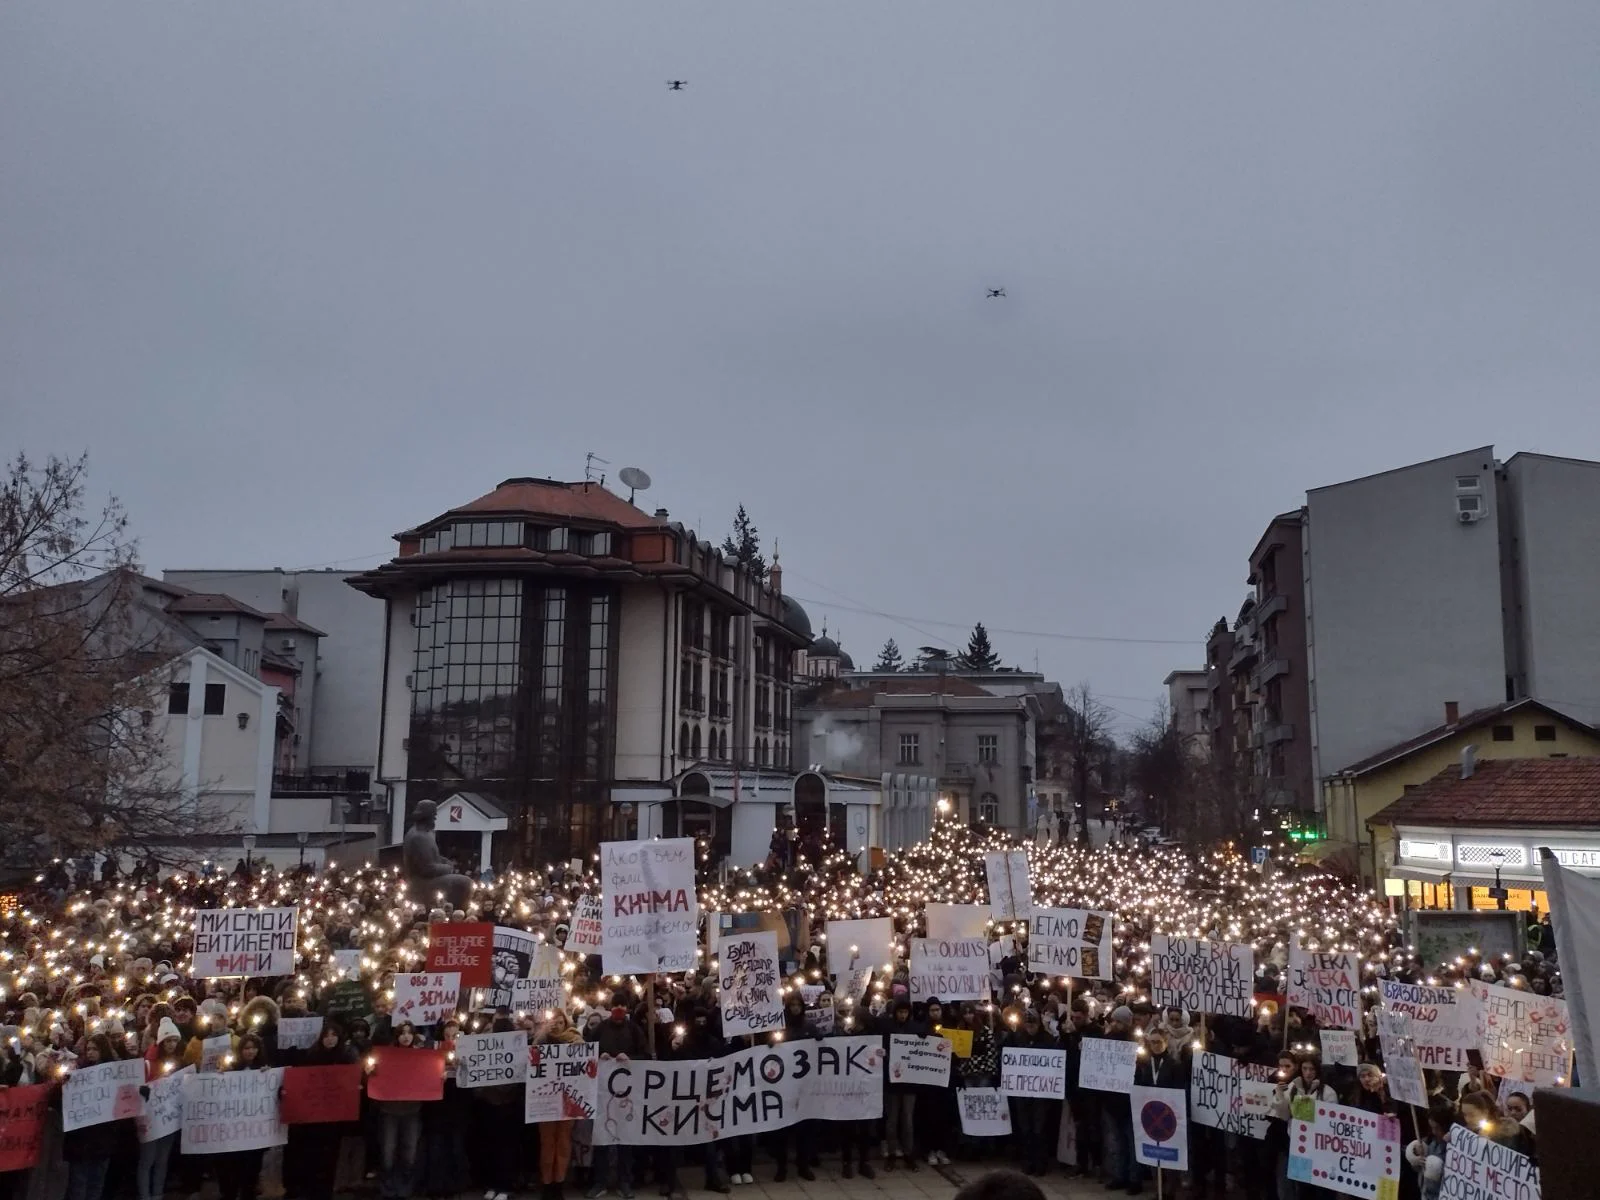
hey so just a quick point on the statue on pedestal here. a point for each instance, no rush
(429, 873)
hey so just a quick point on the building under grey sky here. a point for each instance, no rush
(294, 273)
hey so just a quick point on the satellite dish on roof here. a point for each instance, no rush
(636, 480)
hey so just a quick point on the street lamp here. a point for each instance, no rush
(302, 837)
(249, 849)
(1499, 892)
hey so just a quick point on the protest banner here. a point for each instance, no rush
(405, 1073)
(162, 1115)
(510, 959)
(1106, 1065)
(541, 994)
(960, 1040)
(22, 1121)
(1033, 1073)
(748, 984)
(920, 1060)
(216, 1053)
(1344, 1150)
(104, 1092)
(1201, 976)
(1476, 1168)
(948, 921)
(425, 999)
(949, 970)
(298, 1033)
(1160, 1127)
(232, 1110)
(1399, 1062)
(763, 1088)
(1443, 1022)
(1010, 895)
(1071, 942)
(563, 1081)
(852, 945)
(1217, 1086)
(321, 1095)
(587, 932)
(463, 947)
(243, 941)
(1326, 984)
(1338, 1047)
(491, 1059)
(651, 916)
(984, 1112)
(1522, 1035)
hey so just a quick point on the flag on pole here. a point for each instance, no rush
(1575, 915)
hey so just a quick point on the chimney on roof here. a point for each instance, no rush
(1469, 762)
(661, 514)
(1452, 712)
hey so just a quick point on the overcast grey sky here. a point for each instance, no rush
(299, 275)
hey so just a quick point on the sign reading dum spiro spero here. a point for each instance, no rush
(243, 941)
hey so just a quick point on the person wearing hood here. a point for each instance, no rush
(938, 1111)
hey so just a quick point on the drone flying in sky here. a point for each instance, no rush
(677, 85)
(997, 293)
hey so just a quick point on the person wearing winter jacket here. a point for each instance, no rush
(1116, 1124)
(798, 1139)
(239, 1171)
(1031, 1124)
(555, 1137)
(316, 1146)
(88, 1151)
(622, 1039)
(163, 1058)
(1427, 1157)
(400, 1126)
(900, 1099)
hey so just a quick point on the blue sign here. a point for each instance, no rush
(1259, 856)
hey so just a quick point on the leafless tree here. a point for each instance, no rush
(83, 765)
(1085, 734)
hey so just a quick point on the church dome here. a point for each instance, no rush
(795, 617)
(824, 647)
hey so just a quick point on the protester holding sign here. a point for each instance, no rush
(239, 1171)
(314, 1148)
(1034, 1116)
(88, 1150)
(900, 1099)
(555, 1137)
(155, 1154)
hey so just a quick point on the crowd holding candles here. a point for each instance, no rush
(106, 972)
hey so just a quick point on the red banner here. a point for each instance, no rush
(22, 1113)
(319, 1095)
(400, 1073)
(463, 946)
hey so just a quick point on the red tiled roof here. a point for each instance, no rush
(212, 602)
(1471, 720)
(1504, 791)
(580, 501)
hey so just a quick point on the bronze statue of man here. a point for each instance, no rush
(429, 873)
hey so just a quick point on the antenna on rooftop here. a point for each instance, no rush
(636, 479)
(591, 464)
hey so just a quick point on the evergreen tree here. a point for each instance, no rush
(744, 544)
(980, 655)
(889, 658)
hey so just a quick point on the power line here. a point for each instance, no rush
(1037, 633)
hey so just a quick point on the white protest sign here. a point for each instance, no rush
(947, 921)
(426, 999)
(1344, 1149)
(748, 986)
(1106, 1065)
(1201, 976)
(868, 942)
(587, 932)
(949, 970)
(298, 1033)
(1010, 895)
(233, 1110)
(1072, 942)
(1033, 1073)
(1443, 1021)
(163, 1110)
(1338, 1047)
(491, 1059)
(215, 1052)
(853, 987)
(1001, 949)
(1160, 1127)
(542, 994)
(563, 1078)
(1259, 1097)
(1399, 1063)
(984, 1112)
(924, 1060)
(1477, 1169)
(104, 1092)
(1217, 1094)
(846, 1083)
(819, 1022)
(243, 941)
(347, 963)
(1327, 984)
(811, 994)
(652, 916)
(1522, 1035)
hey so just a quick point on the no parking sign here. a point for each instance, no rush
(1160, 1127)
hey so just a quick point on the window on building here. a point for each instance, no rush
(178, 699)
(216, 699)
(683, 739)
(694, 742)
(1503, 733)
(910, 747)
(989, 809)
(988, 747)
(1544, 733)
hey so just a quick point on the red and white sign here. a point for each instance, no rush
(426, 999)
(465, 947)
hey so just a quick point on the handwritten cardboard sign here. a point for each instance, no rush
(491, 1059)
(866, 942)
(22, 1120)
(919, 1060)
(104, 1092)
(299, 1033)
(1106, 1064)
(426, 999)
(542, 994)
(587, 934)
(947, 921)
(563, 1082)
(1033, 1073)
(406, 1073)
(1345, 1150)
(984, 1112)
(1220, 1094)
(1327, 984)
(233, 1110)
(1010, 893)
(954, 969)
(1071, 942)
(1522, 1035)
(1443, 1021)
(1477, 1169)
(652, 915)
(1200, 975)
(461, 947)
(1400, 1064)
(163, 1108)
(243, 941)
(748, 983)
(321, 1095)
